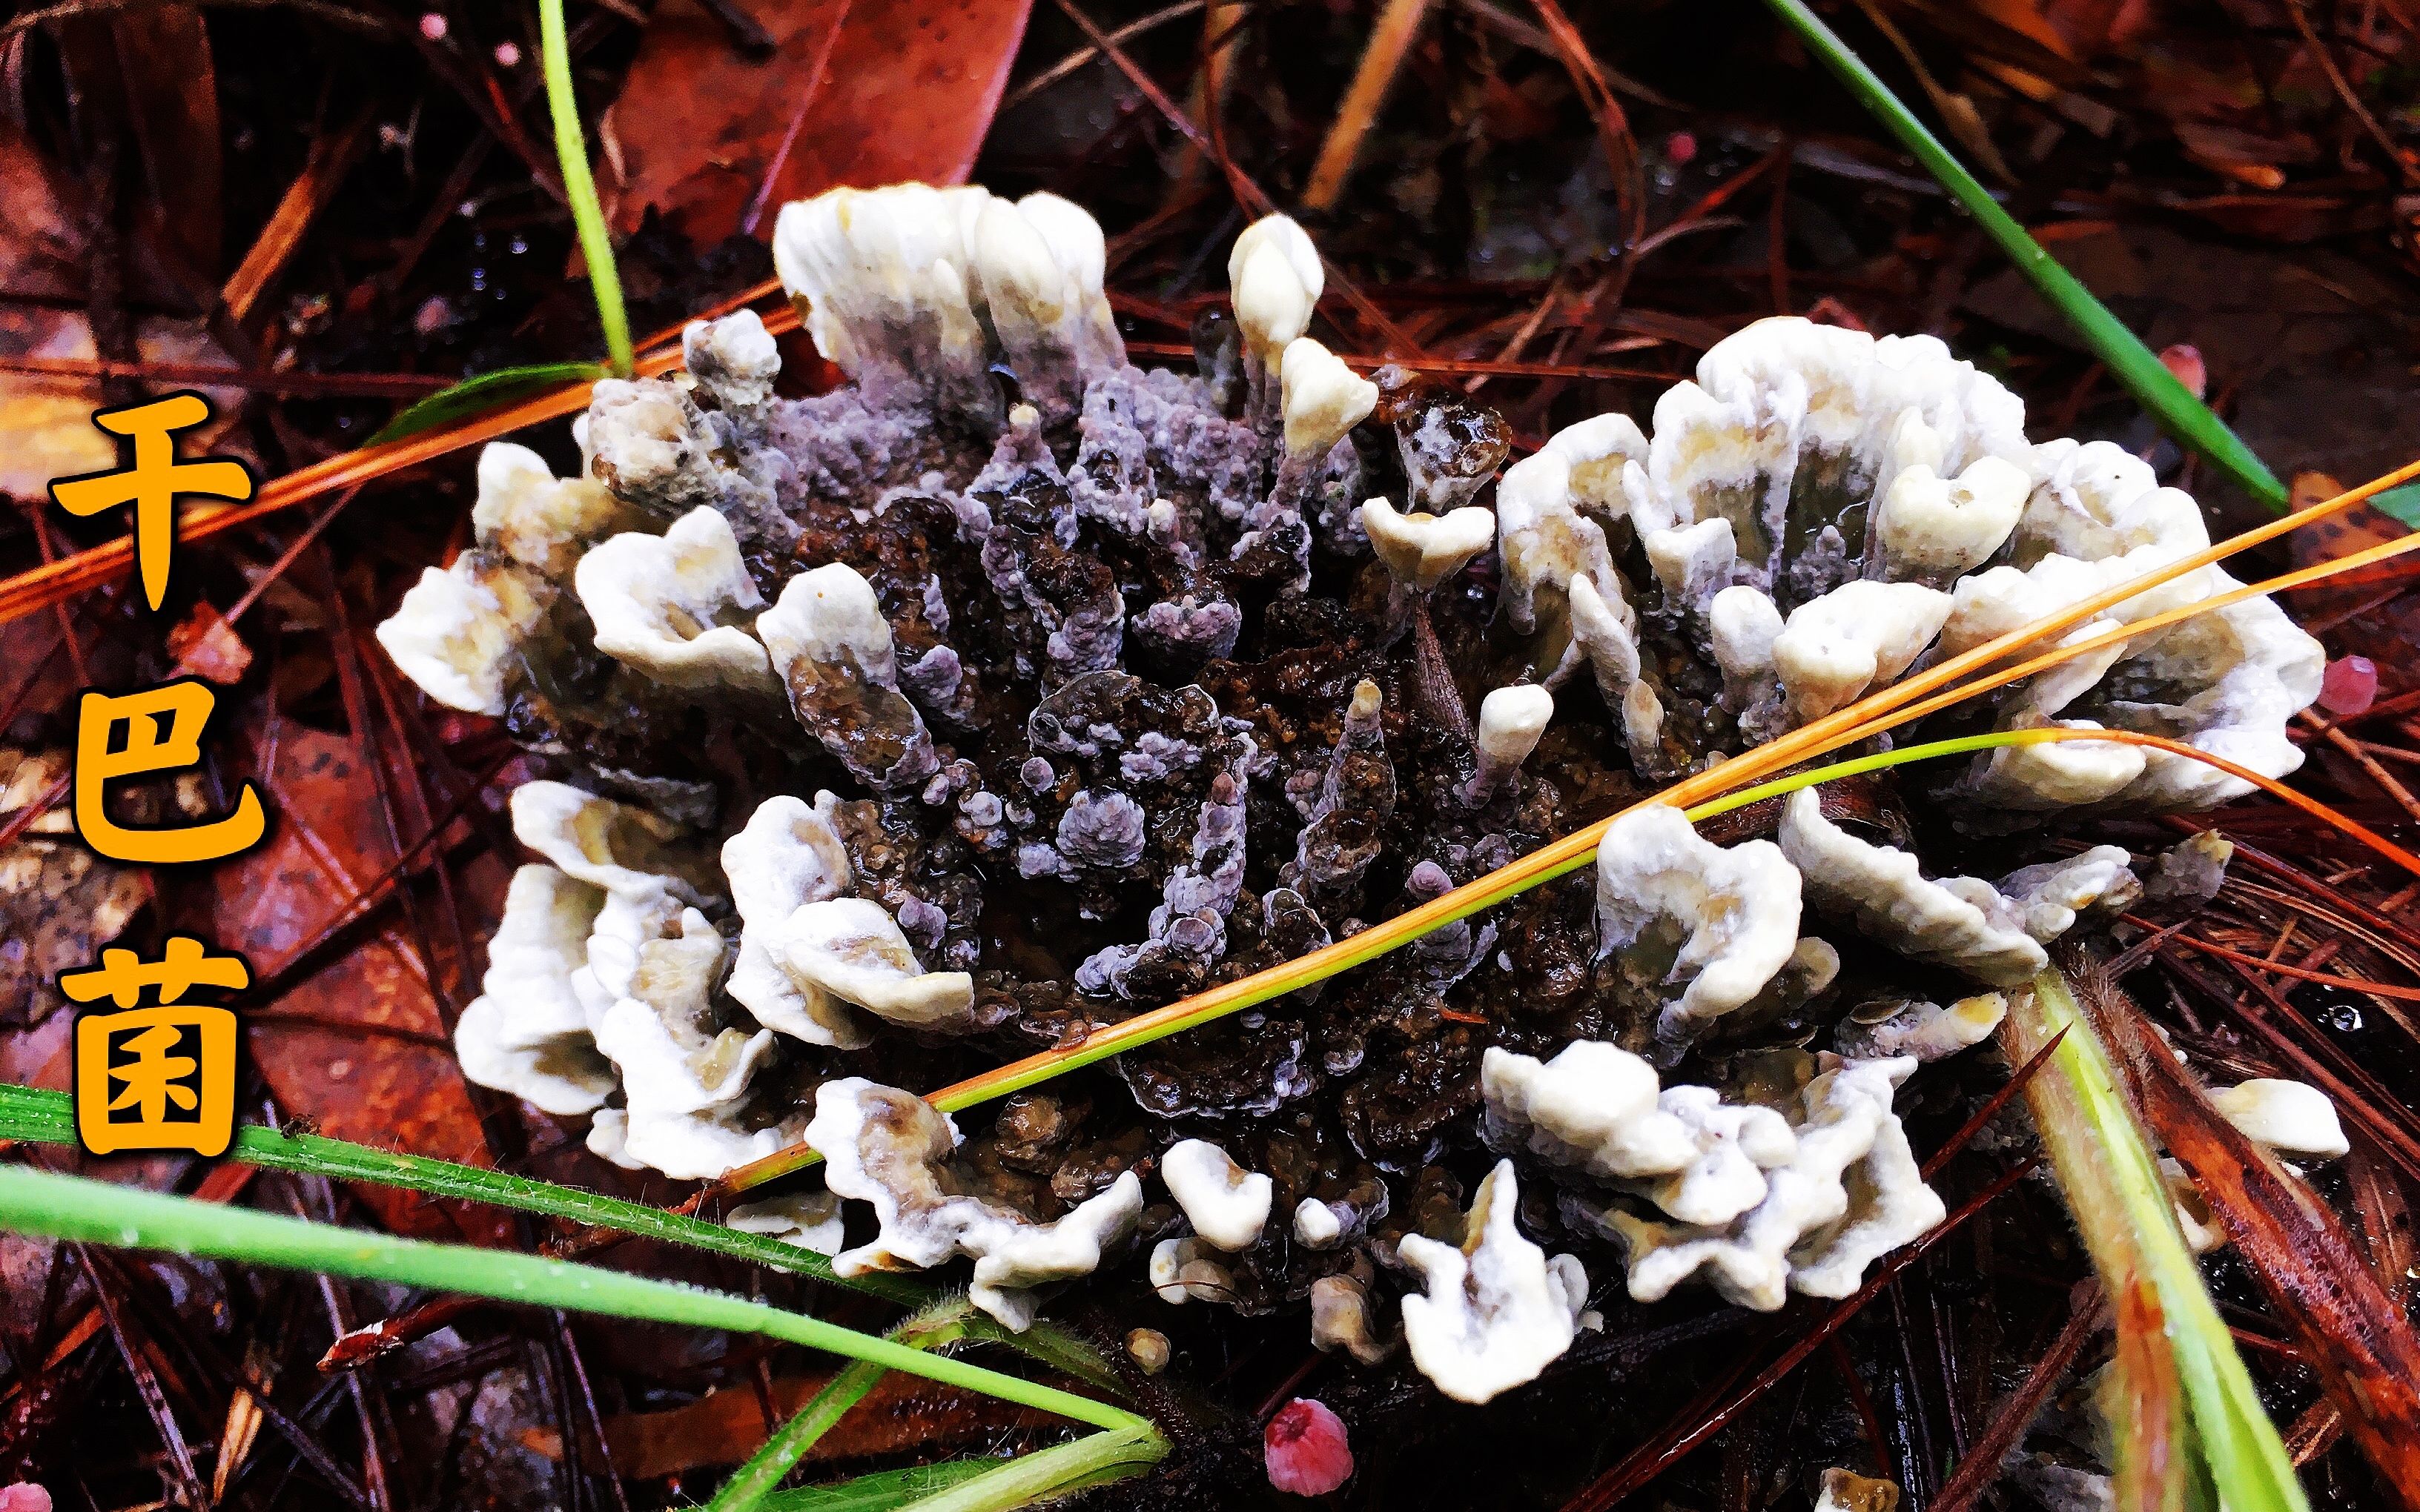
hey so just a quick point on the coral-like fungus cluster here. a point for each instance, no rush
(1009, 691)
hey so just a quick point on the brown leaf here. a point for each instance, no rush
(2351, 1331)
(358, 1046)
(859, 92)
(206, 644)
(723, 1428)
(172, 101)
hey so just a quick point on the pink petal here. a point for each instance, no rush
(2348, 686)
(25, 1497)
(1306, 1449)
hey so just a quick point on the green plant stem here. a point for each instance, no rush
(580, 188)
(2122, 1207)
(884, 1490)
(936, 1327)
(72, 1208)
(2135, 364)
(1094, 1460)
(40, 1117)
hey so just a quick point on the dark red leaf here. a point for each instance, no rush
(856, 92)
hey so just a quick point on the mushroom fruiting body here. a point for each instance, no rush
(1009, 691)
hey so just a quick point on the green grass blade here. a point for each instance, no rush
(42, 1204)
(936, 1328)
(2135, 365)
(885, 1490)
(1095, 1459)
(477, 395)
(587, 215)
(40, 1116)
(49, 1117)
(2113, 1185)
(2401, 504)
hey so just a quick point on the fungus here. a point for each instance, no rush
(1834, 649)
(734, 360)
(1551, 509)
(1227, 1205)
(1596, 1108)
(2294, 1119)
(1992, 933)
(1305, 1451)
(1928, 1031)
(787, 855)
(852, 949)
(661, 604)
(1677, 910)
(685, 1074)
(1510, 720)
(525, 1033)
(1186, 1270)
(810, 1220)
(1276, 278)
(1851, 1194)
(1341, 1319)
(1495, 1311)
(831, 647)
(1057, 647)
(890, 1149)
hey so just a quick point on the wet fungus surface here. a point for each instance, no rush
(1010, 691)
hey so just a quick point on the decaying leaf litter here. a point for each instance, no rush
(1455, 246)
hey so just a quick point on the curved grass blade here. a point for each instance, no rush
(2144, 374)
(885, 1490)
(477, 395)
(1003, 1486)
(39, 1203)
(40, 1117)
(936, 1327)
(2122, 1207)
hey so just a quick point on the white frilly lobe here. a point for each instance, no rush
(639, 860)
(1859, 637)
(525, 1033)
(1323, 399)
(853, 950)
(890, 1149)
(1596, 1108)
(662, 604)
(2294, 1119)
(1276, 279)
(1992, 933)
(787, 855)
(683, 1087)
(459, 629)
(1420, 552)
(1495, 1311)
(1731, 914)
(1853, 1194)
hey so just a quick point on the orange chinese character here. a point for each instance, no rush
(154, 482)
(162, 733)
(160, 1077)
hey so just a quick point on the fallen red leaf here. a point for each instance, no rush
(722, 1427)
(356, 1046)
(855, 92)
